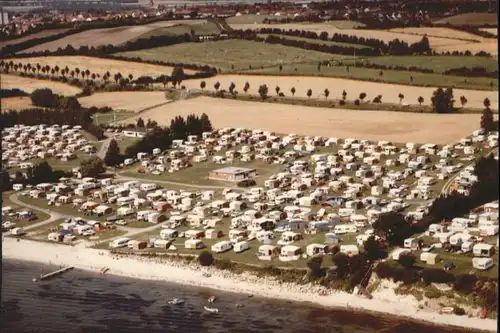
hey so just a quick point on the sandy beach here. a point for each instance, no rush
(385, 301)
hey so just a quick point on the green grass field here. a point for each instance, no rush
(438, 64)
(20, 223)
(227, 53)
(389, 76)
(206, 28)
(316, 41)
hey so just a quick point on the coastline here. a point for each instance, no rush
(175, 272)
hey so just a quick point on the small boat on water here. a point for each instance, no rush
(176, 301)
(211, 299)
(212, 310)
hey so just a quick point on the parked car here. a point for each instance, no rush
(449, 266)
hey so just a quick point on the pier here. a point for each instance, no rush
(52, 274)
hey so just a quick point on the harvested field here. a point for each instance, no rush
(223, 54)
(199, 29)
(470, 19)
(41, 34)
(336, 86)
(371, 125)
(100, 66)
(489, 45)
(439, 32)
(106, 36)
(16, 103)
(384, 35)
(29, 85)
(491, 30)
(317, 41)
(134, 101)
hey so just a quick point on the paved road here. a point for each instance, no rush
(54, 216)
(446, 188)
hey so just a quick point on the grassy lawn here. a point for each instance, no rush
(124, 142)
(370, 74)
(110, 117)
(200, 29)
(198, 173)
(317, 41)
(226, 53)
(19, 222)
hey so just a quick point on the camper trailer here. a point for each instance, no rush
(222, 246)
(483, 250)
(169, 234)
(345, 228)
(316, 249)
(117, 243)
(290, 252)
(194, 244)
(350, 250)
(240, 246)
(482, 264)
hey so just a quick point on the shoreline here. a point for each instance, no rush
(160, 270)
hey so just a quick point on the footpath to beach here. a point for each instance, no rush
(155, 269)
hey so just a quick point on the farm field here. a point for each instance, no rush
(15, 103)
(317, 41)
(106, 36)
(29, 85)
(373, 75)
(491, 30)
(100, 66)
(438, 64)
(224, 54)
(331, 29)
(126, 100)
(489, 45)
(199, 28)
(470, 19)
(439, 32)
(336, 86)
(371, 125)
(41, 34)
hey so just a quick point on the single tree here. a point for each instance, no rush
(178, 74)
(362, 96)
(309, 93)
(487, 103)
(263, 90)
(140, 123)
(420, 100)
(373, 249)
(130, 77)
(217, 85)
(292, 91)
(463, 100)
(327, 93)
(487, 121)
(205, 258)
(406, 260)
(314, 265)
(246, 87)
(231, 87)
(92, 167)
(277, 90)
(113, 157)
(344, 95)
(203, 84)
(281, 68)
(401, 97)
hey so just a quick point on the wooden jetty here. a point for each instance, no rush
(52, 274)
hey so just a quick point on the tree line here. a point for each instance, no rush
(159, 137)
(394, 47)
(41, 172)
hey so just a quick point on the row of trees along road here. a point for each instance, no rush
(159, 137)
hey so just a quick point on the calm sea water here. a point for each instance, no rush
(80, 301)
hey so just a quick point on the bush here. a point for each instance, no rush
(223, 264)
(407, 260)
(465, 283)
(206, 258)
(432, 293)
(436, 275)
(342, 102)
(356, 102)
(459, 311)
